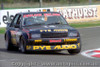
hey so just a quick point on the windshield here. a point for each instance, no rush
(45, 18)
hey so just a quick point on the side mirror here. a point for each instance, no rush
(17, 26)
(8, 24)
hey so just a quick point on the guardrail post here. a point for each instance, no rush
(90, 2)
(2, 7)
(40, 3)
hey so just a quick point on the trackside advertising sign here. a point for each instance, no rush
(71, 14)
(7, 15)
(80, 13)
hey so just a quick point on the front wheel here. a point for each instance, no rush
(23, 45)
(75, 51)
(8, 43)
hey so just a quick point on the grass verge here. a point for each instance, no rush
(75, 25)
(2, 30)
(85, 24)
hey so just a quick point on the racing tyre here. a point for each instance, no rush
(9, 45)
(73, 52)
(23, 45)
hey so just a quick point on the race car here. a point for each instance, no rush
(41, 31)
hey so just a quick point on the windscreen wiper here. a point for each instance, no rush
(35, 24)
(54, 23)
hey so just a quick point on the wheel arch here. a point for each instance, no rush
(7, 33)
(23, 35)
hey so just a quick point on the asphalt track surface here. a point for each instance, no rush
(90, 40)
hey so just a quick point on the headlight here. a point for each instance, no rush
(73, 34)
(35, 35)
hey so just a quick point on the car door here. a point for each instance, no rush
(13, 29)
(18, 28)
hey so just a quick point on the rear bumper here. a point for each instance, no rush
(53, 44)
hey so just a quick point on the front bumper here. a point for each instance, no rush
(50, 47)
(53, 44)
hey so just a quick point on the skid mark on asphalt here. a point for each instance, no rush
(93, 53)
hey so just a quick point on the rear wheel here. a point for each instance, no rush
(23, 45)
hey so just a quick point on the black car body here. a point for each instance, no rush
(41, 31)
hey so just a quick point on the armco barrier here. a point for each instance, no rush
(7, 15)
(80, 13)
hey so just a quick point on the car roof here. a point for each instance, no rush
(35, 12)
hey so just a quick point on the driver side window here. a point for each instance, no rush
(18, 20)
(14, 21)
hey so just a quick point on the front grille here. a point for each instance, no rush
(53, 44)
(53, 35)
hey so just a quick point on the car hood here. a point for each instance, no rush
(45, 28)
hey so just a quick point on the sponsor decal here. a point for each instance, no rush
(45, 30)
(13, 32)
(54, 41)
(57, 47)
(65, 47)
(55, 30)
(13, 40)
(41, 47)
(52, 26)
(30, 15)
(61, 30)
(75, 39)
(47, 14)
(38, 40)
(94, 53)
(53, 14)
